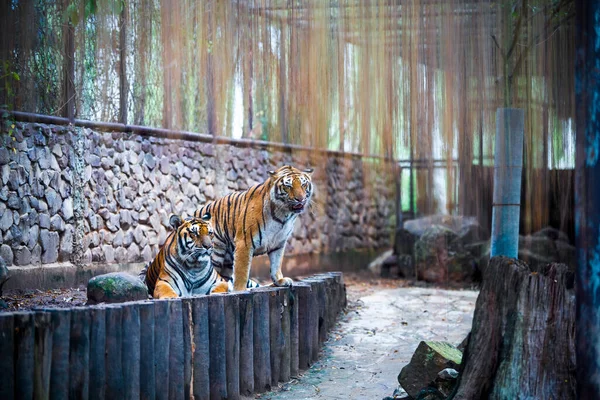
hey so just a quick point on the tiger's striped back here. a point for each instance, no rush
(258, 221)
(183, 266)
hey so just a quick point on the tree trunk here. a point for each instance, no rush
(522, 342)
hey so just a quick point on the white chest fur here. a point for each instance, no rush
(274, 234)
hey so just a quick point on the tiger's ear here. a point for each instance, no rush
(175, 221)
(309, 170)
(272, 173)
(206, 217)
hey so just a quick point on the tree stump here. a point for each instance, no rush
(522, 342)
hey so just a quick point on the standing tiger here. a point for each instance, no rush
(183, 266)
(258, 221)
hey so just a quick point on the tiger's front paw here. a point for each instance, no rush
(285, 282)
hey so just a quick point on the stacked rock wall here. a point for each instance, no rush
(79, 195)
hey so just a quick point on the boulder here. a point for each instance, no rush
(440, 256)
(404, 242)
(552, 233)
(406, 266)
(456, 224)
(115, 287)
(428, 360)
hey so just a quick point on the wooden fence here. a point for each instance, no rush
(221, 346)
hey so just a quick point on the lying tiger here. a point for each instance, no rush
(258, 221)
(183, 264)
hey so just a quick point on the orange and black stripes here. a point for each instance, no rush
(258, 221)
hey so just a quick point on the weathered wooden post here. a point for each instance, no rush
(262, 355)
(508, 165)
(232, 344)
(307, 323)
(79, 353)
(176, 357)
(60, 330)
(246, 326)
(218, 368)
(275, 334)
(7, 349)
(161, 347)
(97, 386)
(147, 371)
(294, 332)
(43, 355)
(23, 354)
(587, 198)
(202, 345)
(320, 304)
(115, 384)
(286, 348)
(131, 350)
(188, 345)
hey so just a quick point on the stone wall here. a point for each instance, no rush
(83, 196)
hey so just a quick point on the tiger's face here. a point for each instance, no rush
(292, 188)
(194, 237)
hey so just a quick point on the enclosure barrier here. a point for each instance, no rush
(220, 346)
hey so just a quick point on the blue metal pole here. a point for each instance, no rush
(587, 197)
(508, 164)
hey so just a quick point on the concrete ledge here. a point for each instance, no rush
(62, 275)
(68, 275)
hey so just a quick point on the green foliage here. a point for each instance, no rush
(9, 77)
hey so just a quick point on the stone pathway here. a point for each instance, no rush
(376, 338)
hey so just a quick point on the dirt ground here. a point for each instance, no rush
(385, 321)
(24, 300)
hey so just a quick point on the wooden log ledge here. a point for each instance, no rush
(221, 346)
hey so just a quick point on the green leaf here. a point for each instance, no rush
(16, 76)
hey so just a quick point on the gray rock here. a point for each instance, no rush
(57, 151)
(6, 254)
(44, 158)
(6, 220)
(57, 223)
(4, 156)
(404, 242)
(5, 174)
(149, 161)
(14, 201)
(115, 287)
(50, 241)
(455, 223)
(14, 236)
(44, 221)
(118, 239)
(113, 223)
(67, 209)
(125, 219)
(133, 253)
(146, 253)
(93, 160)
(36, 254)
(439, 256)
(107, 163)
(128, 239)
(34, 234)
(121, 255)
(448, 374)
(4, 274)
(66, 244)
(22, 256)
(54, 201)
(427, 361)
(109, 253)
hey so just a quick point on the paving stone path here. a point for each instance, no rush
(377, 336)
